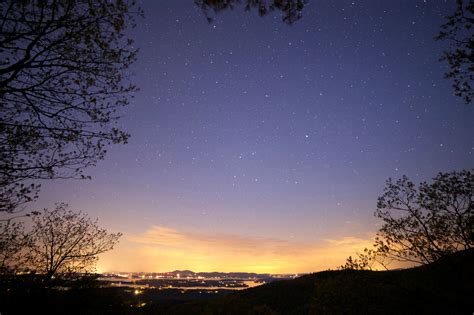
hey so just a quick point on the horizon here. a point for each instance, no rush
(194, 272)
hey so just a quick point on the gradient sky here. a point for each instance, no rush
(258, 146)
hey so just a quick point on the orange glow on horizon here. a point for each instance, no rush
(161, 249)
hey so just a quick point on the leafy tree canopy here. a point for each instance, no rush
(65, 243)
(291, 9)
(460, 56)
(63, 76)
(422, 224)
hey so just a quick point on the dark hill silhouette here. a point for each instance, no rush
(444, 287)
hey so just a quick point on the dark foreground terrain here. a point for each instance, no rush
(445, 287)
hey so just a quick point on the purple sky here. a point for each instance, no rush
(248, 133)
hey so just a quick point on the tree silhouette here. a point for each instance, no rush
(291, 9)
(66, 244)
(460, 57)
(13, 240)
(426, 223)
(369, 259)
(63, 76)
(421, 224)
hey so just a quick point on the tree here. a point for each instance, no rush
(460, 57)
(291, 9)
(66, 244)
(63, 77)
(369, 259)
(12, 240)
(421, 224)
(426, 223)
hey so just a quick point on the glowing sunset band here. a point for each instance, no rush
(161, 249)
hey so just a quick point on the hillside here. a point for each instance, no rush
(443, 287)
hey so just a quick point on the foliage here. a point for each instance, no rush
(291, 9)
(12, 240)
(63, 77)
(421, 225)
(363, 261)
(66, 244)
(426, 223)
(460, 56)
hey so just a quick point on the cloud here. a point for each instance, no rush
(163, 248)
(222, 243)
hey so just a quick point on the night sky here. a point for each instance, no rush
(259, 146)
